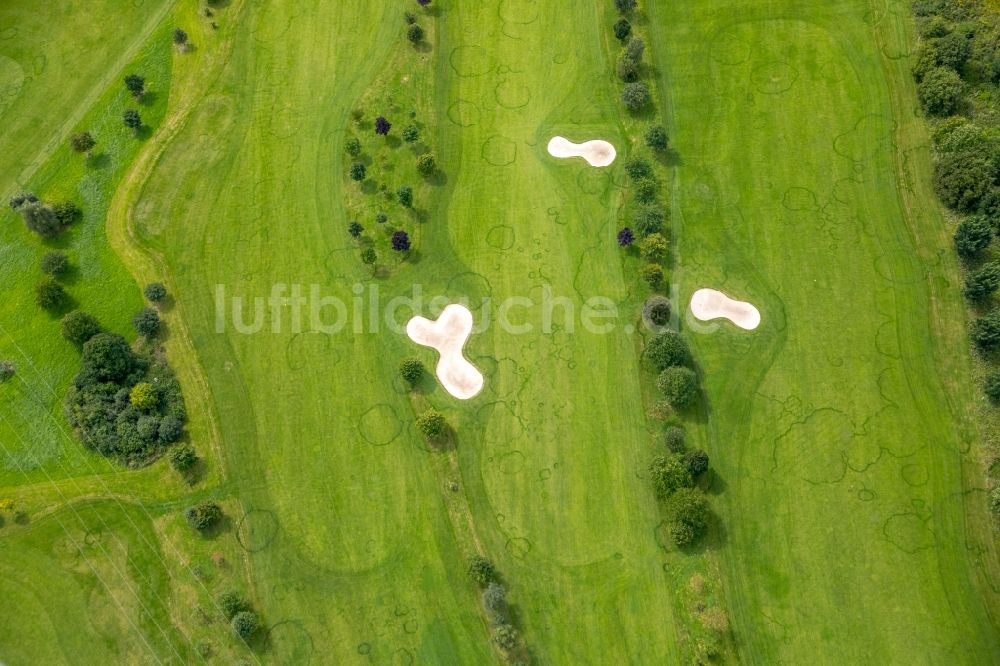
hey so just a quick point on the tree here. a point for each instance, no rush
(7, 370)
(653, 246)
(627, 69)
(637, 167)
(495, 602)
(940, 91)
(696, 462)
(355, 229)
(656, 311)
(39, 218)
(358, 171)
(963, 179)
(411, 133)
(635, 48)
(132, 120)
(66, 212)
(244, 624)
(625, 6)
(646, 191)
(649, 219)
(635, 95)
(652, 274)
(183, 457)
(146, 322)
(136, 85)
(625, 237)
(231, 603)
(401, 241)
(54, 263)
(203, 515)
(689, 511)
(953, 50)
(622, 29)
(410, 18)
(180, 37)
(155, 292)
(431, 424)
(405, 196)
(106, 358)
(82, 142)
(991, 387)
(668, 349)
(368, 256)
(78, 327)
(673, 438)
(986, 331)
(143, 396)
(972, 236)
(171, 429)
(656, 137)
(481, 570)
(382, 126)
(423, 3)
(415, 33)
(679, 385)
(506, 637)
(426, 164)
(352, 146)
(411, 369)
(381, 218)
(50, 295)
(669, 475)
(980, 284)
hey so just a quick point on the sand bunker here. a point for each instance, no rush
(597, 153)
(448, 336)
(711, 304)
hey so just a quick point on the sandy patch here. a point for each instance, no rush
(448, 336)
(597, 153)
(711, 304)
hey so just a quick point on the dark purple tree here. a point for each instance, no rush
(423, 3)
(626, 237)
(401, 241)
(382, 126)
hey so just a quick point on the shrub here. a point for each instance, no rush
(983, 282)
(415, 33)
(622, 29)
(646, 190)
(940, 90)
(506, 637)
(674, 438)
(689, 511)
(411, 133)
(146, 322)
(50, 295)
(203, 515)
(656, 137)
(54, 263)
(495, 602)
(426, 164)
(668, 349)
(411, 369)
(405, 196)
(355, 229)
(651, 274)
(481, 570)
(155, 292)
(401, 241)
(352, 147)
(696, 462)
(232, 603)
(183, 457)
(7, 370)
(635, 95)
(653, 246)
(625, 6)
(972, 236)
(637, 167)
(991, 387)
(679, 385)
(649, 219)
(669, 475)
(171, 429)
(627, 69)
(963, 179)
(635, 48)
(143, 396)
(382, 126)
(431, 424)
(358, 171)
(78, 327)
(625, 237)
(244, 624)
(656, 311)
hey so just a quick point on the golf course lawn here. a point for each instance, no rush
(849, 519)
(839, 429)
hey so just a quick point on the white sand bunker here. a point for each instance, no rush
(711, 304)
(448, 336)
(597, 153)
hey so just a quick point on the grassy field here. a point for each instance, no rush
(840, 428)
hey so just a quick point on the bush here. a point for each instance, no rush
(50, 295)
(667, 350)
(963, 179)
(627, 69)
(146, 322)
(991, 387)
(244, 624)
(622, 29)
(646, 190)
(669, 475)
(653, 247)
(652, 274)
(679, 385)
(939, 91)
(506, 637)
(405, 196)
(982, 283)
(155, 292)
(352, 147)
(674, 438)
(637, 167)
(411, 133)
(431, 424)
(415, 33)
(495, 602)
(625, 237)
(232, 603)
(411, 369)
(635, 95)
(972, 236)
(54, 263)
(358, 172)
(78, 327)
(143, 396)
(689, 512)
(183, 457)
(625, 6)
(203, 515)
(656, 137)
(696, 462)
(481, 570)
(426, 164)
(649, 219)
(171, 429)
(635, 48)
(986, 331)
(7, 370)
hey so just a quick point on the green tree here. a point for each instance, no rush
(986, 331)
(411, 133)
(646, 190)
(106, 358)
(352, 147)
(622, 29)
(972, 236)
(369, 257)
(656, 311)
(426, 164)
(203, 515)
(54, 263)
(649, 219)
(171, 429)
(495, 602)
(673, 438)
(991, 387)
(953, 50)
(66, 212)
(627, 68)
(146, 322)
(82, 142)
(689, 515)
(7, 370)
(411, 369)
(679, 385)
(656, 137)
(625, 6)
(355, 229)
(652, 274)
(358, 172)
(405, 196)
(136, 85)
(155, 292)
(696, 462)
(637, 167)
(415, 33)
(668, 349)
(980, 284)
(963, 179)
(653, 247)
(50, 295)
(506, 637)
(78, 327)
(143, 396)
(431, 424)
(669, 474)
(231, 603)
(635, 95)
(244, 624)
(40, 218)
(183, 457)
(132, 120)
(940, 90)
(481, 570)
(635, 48)
(180, 37)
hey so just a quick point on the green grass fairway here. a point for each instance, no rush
(837, 428)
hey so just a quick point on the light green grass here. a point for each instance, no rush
(835, 429)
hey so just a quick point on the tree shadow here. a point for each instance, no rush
(437, 179)
(413, 257)
(368, 186)
(423, 46)
(100, 161)
(144, 133)
(149, 98)
(167, 304)
(393, 142)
